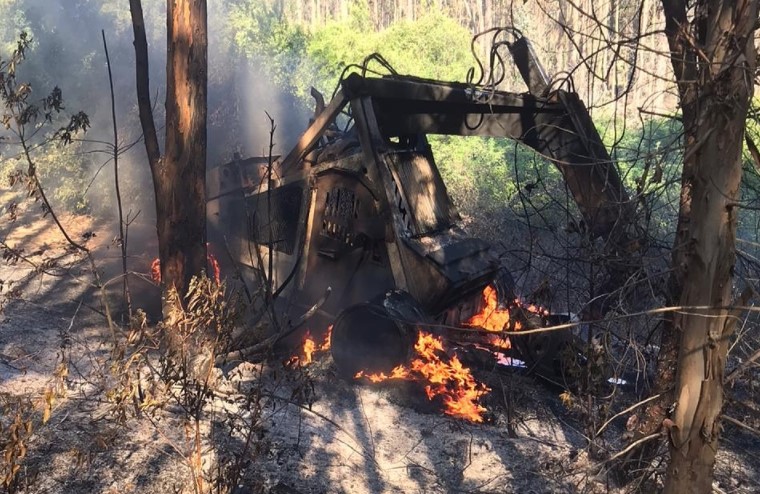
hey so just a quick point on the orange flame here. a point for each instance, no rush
(211, 259)
(327, 341)
(499, 342)
(491, 317)
(155, 268)
(398, 372)
(450, 380)
(535, 309)
(310, 347)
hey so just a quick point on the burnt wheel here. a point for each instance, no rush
(375, 336)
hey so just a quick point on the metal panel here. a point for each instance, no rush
(426, 196)
(312, 135)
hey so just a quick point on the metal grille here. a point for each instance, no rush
(341, 209)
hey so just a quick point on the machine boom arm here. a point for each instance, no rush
(558, 128)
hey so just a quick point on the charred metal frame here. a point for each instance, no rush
(402, 231)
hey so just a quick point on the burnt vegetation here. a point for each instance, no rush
(379, 246)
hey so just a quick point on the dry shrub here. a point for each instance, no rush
(16, 429)
(169, 371)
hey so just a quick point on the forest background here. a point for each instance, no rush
(265, 56)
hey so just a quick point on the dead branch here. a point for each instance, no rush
(631, 446)
(48, 208)
(741, 424)
(122, 236)
(267, 344)
(742, 367)
(623, 412)
(143, 84)
(752, 147)
(236, 267)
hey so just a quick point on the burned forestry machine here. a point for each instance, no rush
(363, 214)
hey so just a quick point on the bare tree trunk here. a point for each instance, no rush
(471, 21)
(179, 178)
(181, 188)
(713, 57)
(143, 87)
(481, 15)
(693, 344)
(375, 16)
(299, 13)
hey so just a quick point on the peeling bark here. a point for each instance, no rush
(713, 56)
(181, 194)
(179, 177)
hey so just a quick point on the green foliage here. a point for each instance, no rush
(67, 172)
(476, 170)
(749, 218)
(483, 174)
(35, 134)
(62, 170)
(262, 34)
(433, 46)
(650, 158)
(12, 22)
(650, 154)
(479, 172)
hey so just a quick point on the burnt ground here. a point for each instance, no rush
(315, 433)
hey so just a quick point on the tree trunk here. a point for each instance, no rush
(179, 178)
(143, 86)
(714, 98)
(181, 184)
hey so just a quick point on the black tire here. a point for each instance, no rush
(375, 336)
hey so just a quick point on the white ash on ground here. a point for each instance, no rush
(355, 438)
(316, 433)
(320, 434)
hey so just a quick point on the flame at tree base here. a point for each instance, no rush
(445, 378)
(213, 264)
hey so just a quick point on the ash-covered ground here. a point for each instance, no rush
(285, 429)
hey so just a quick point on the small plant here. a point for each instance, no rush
(20, 418)
(16, 428)
(169, 371)
(29, 126)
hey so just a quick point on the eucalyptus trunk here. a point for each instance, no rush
(181, 182)
(713, 56)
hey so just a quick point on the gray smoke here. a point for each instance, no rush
(68, 52)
